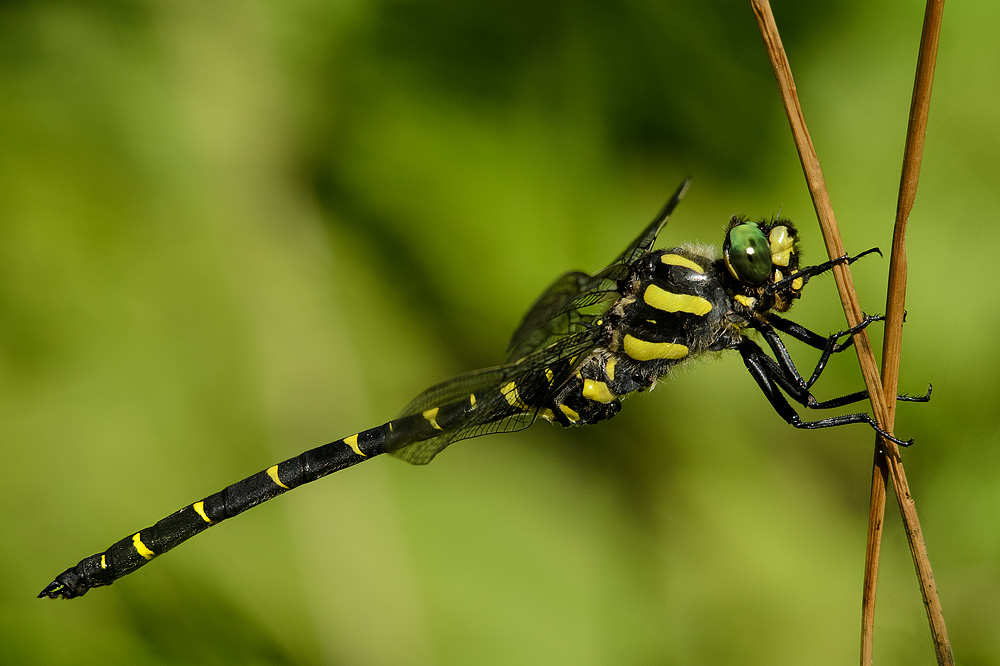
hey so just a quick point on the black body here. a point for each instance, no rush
(586, 343)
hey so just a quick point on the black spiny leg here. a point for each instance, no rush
(812, 271)
(772, 378)
(858, 396)
(828, 345)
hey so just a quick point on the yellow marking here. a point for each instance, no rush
(668, 301)
(570, 414)
(782, 244)
(140, 548)
(391, 427)
(549, 375)
(352, 441)
(431, 416)
(272, 472)
(104, 563)
(199, 508)
(796, 283)
(642, 350)
(609, 369)
(547, 414)
(597, 391)
(472, 400)
(748, 301)
(778, 276)
(510, 394)
(678, 260)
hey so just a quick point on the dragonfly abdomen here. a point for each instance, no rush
(135, 550)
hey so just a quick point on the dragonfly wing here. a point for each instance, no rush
(555, 334)
(561, 309)
(648, 236)
(500, 399)
(550, 317)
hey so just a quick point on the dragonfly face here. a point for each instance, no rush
(764, 256)
(588, 341)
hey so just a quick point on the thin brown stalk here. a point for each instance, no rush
(887, 459)
(884, 409)
(876, 520)
(821, 202)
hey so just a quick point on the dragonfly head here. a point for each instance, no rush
(763, 257)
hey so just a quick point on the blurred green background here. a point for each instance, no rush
(231, 231)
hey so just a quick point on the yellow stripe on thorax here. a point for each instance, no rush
(661, 299)
(678, 260)
(642, 350)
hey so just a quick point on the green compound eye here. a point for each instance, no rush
(747, 253)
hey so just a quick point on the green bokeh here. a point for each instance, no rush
(232, 231)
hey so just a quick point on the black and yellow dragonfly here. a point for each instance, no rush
(587, 342)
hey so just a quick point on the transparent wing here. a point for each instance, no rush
(507, 397)
(562, 309)
(649, 234)
(552, 316)
(543, 353)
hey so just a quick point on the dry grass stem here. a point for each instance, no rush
(887, 461)
(882, 395)
(821, 202)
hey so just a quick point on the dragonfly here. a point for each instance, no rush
(589, 340)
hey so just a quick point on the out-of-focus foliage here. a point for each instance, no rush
(230, 231)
